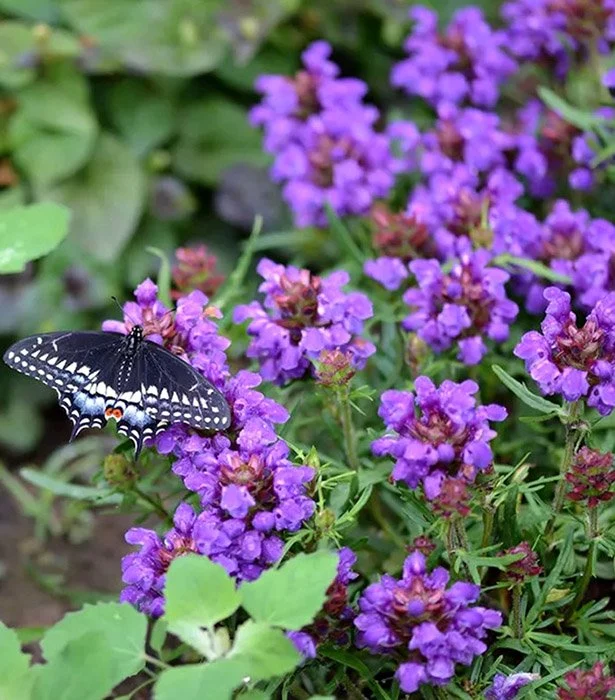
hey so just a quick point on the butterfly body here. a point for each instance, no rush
(101, 376)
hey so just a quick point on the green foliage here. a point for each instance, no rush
(15, 681)
(27, 233)
(273, 597)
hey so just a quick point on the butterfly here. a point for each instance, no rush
(100, 376)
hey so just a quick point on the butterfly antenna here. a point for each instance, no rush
(125, 313)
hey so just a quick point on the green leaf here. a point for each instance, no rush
(65, 488)
(122, 628)
(41, 10)
(264, 651)
(198, 592)
(54, 130)
(180, 38)
(214, 681)
(144, 117)
(525, 395)
(28, 233)
(215, 134)
(15, 681)
(164, 275)
(538, 268)
(274, 597)
(106, 199)
(585, 120)
(81, 670)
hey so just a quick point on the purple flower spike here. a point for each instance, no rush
(439, 626)
(574, 362)
(322, 135)
(464, 306)
(465, 63)
(507, 687)
(449, 437)
(301, 316)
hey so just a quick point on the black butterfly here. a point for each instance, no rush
(99, 375)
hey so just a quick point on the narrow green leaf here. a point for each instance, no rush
(198, 592)
(343, 236)
(525, 395)
(214, 681)
(164, 275)
(585, 120)
(538, 268)
(274, 597)
(122, 628)
(64, 488)
(28, 233)
(264, 650)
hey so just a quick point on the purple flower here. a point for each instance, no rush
(449, 436)
(439, 626)
(507, 687)
(553, 32)
(323, 139)
(462, 306)
(301, 316)
(574, 362)
(465, 63)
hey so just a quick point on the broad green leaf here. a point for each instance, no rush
(28, 233)
(122, 628)
(214, 681)
(292, 595)
(215, 134)
(15, 680)
(106, 199)
(264, 651)
(145, 118)
(525, 395)
(54, 130)
(198, 592)
(179, 38)
(164, 275)
(81, 670)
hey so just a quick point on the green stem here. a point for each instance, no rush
(375, 508)
(567, 457)
(157, 507)
(461, 535)
(350, 440)
(516, 625)
(487, 526)
(451, 544)
(588, 571)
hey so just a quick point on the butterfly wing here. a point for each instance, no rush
(70, 363)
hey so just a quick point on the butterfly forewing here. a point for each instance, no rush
(100, 375)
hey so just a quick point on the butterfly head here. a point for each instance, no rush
(134, 338)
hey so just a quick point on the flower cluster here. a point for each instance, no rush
(323, 139)
(594, 684)
(432, 626)
(302, 315)
(526, 566)
(466, 62)
(251, 494)
(572, 361)
(196, 268)
(507, 687)
(552, 31)
(333, 622)
(462, 306)
(448, 438)
(591, 477)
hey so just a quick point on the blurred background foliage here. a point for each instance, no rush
(133, 114)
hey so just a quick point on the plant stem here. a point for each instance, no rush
(451, 544)
(487, 526)
(460, 532)
(516, 625)
(588, 571)
(567, 457)
(157, 507)
(350, 440)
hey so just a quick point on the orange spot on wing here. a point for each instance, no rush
(116, 413)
